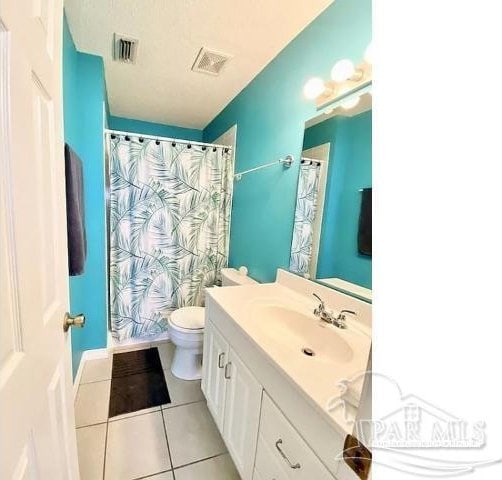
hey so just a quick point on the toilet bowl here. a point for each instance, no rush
(186, 330)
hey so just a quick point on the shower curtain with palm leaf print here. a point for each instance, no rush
(305, 214)
(169, 216)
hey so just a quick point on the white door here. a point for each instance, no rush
(213, 368)
(242, 414)
(37, 418)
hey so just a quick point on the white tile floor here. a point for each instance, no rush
(178, 441)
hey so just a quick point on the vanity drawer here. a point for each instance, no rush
(287, 447)
(267, 466)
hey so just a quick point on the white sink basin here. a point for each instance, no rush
(303, 334)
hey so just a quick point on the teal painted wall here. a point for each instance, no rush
(149, 128)
(270, 114)
(84, 91)
(83, 97)
(349, 169)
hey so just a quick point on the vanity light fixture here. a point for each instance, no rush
(344, 70)
(345, 78)
(313, 88)
(350, 102)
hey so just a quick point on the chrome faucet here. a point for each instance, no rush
(328, 317)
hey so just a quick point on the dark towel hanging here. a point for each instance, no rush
(364, 233)
(75, 217)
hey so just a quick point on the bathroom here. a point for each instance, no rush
(204, 200)
(199, 302)
(252, 240)
(199, 164)
(150, 232)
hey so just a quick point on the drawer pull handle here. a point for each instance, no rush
(221, 356)
(227, 374)
(283, 455)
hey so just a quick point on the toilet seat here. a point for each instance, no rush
(188, 319)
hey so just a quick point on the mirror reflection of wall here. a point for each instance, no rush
(332, 229)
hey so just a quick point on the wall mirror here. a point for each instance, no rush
(331, 240)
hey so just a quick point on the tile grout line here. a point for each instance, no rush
(153, 475)
(107, 426)
(106, 446)
(94, 381)
(167, 443)
(172, 470)
(199, 461)
(181, 404)
(135, 414)
(91, 425)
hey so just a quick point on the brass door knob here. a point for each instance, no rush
(73, 321)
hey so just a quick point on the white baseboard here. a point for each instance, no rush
(94, 354)
(136, 343)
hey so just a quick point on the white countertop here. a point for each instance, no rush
(340, 353)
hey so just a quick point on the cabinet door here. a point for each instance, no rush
(206, 347)
(213, 380)
(242, 414)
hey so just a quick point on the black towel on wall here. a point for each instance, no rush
(75, 218)
(364, 233)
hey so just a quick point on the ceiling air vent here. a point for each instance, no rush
(125, 48)
(210, 61)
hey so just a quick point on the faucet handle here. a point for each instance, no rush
(319, 298)
(320, 309)
(340, 321)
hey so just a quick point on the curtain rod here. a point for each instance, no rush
(312, 160)
(166, 139)
(286, 162)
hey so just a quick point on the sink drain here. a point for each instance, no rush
(308, 351)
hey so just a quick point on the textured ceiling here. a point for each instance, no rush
(160, 86)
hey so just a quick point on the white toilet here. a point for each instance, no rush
(186, 330)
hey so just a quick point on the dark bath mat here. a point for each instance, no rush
(138, 382)
(138, 361)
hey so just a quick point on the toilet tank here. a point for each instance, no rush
(232, 276)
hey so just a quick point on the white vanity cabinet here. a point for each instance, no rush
(234, 397)
(214, 384)
(282, 453)
(242, 414)
(260, 439)
(272, 409)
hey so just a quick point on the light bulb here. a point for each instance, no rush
(350, 103)
(342, 70)
(313, 88)
(368, 54)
